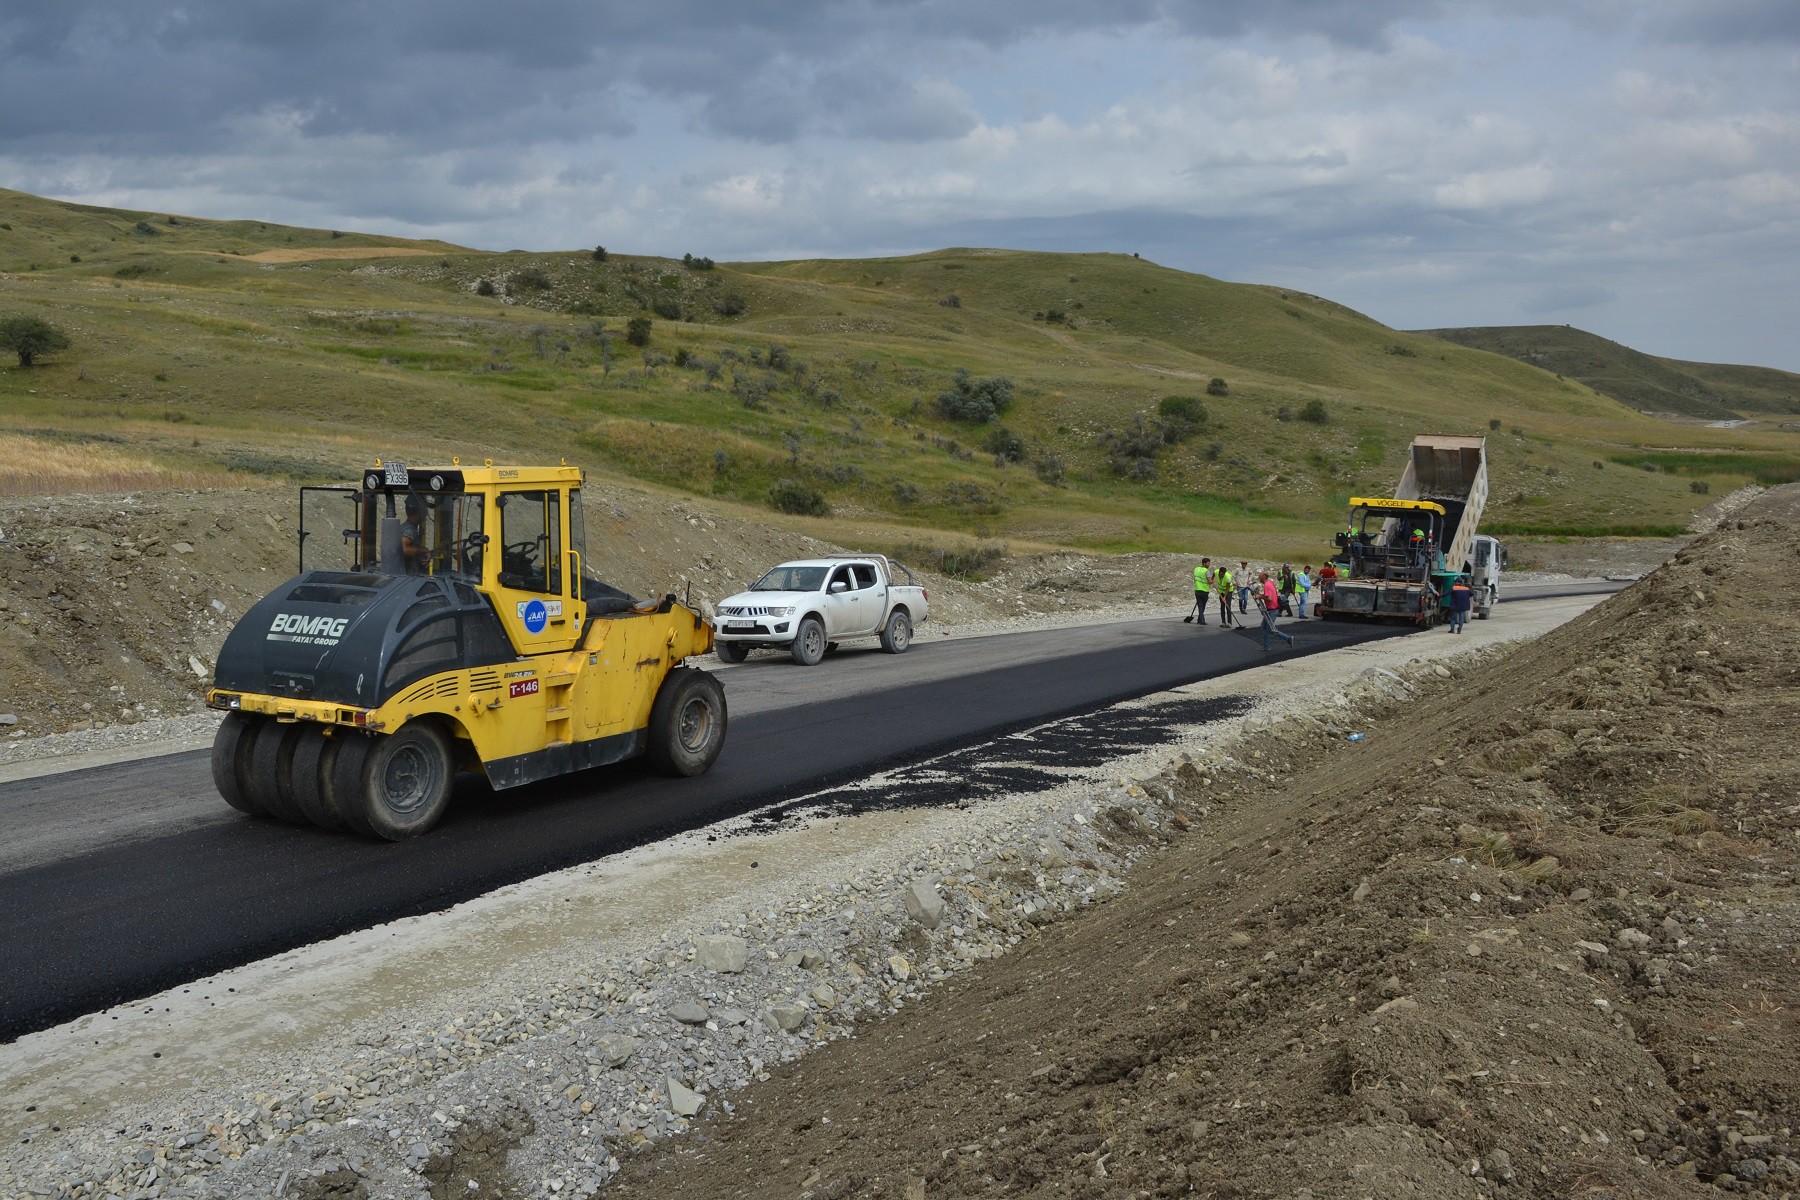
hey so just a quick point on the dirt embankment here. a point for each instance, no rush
(1533, 936)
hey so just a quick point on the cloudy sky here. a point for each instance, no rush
(1631, 167)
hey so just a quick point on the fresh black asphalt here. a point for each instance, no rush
(108, 924)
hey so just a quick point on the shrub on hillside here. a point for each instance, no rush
(667, 307)
(1005, 445)
(696, 264)
(800, 499)
(29, 337)
(1217, 387)
(729, 304)
(1314, 411)
(1050, 470)
(1134, 449)
(1699, 487)
(637, 331)
(599, 253)
(951, 301)
(147, 229)
(977, 400)
(529, 279)
(484, 287)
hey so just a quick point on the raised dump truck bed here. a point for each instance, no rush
(1401, 552)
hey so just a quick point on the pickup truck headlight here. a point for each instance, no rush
(781, 612)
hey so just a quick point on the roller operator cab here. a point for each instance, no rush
(443, 621)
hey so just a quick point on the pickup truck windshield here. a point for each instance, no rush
(791, 579)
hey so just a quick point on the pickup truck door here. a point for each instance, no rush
(840, 603)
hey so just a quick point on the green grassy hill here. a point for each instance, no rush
(1641, 381)
(231, 350)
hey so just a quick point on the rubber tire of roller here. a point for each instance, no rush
(231, 761)
(307, 779)
(406, 781)
(341, 778)
(687, 723)
(271, 771)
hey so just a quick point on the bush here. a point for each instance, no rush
(667, 307)
(696, 264)
(729, 304)
(1493, 422)
(972, 564)
(1284, 413)
(1055, 316)
(530, 279)
(684, 357)
(1005, 445)
(1314, 412)
(1050, 470)
(1182, 408)
(637, 331)
(484, 287)
(1133, 450)
(1699, 487)
(599, 253)
(147, 229)
(779, 359)
(1401, 351)
(951, 301)
(1217, 387)
(797, 498)
(977, 400)
(29, 337)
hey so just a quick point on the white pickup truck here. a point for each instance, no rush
(808, 606)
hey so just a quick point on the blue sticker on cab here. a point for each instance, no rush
(534, 614)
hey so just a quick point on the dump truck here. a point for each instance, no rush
(1400, 553)
(443, 620)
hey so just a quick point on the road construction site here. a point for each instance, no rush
(625, 1010)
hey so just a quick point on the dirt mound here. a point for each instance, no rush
(1532, 936)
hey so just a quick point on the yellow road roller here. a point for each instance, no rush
(443, 621)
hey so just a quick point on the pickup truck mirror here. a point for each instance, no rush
(838, 585)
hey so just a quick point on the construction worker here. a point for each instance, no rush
(1285, 586)
(1267, 600)
(1460, 600)
(1222, 584)
(1244, 581)
(1303, 586)
(1203, 583)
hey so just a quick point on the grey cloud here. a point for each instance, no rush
(99, 74)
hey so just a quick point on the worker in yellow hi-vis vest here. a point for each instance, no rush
(1222, 583)
(1203, 586)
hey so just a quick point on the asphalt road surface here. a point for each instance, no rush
(122, 880)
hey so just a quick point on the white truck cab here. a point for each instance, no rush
(1486, 556)
(809, 605)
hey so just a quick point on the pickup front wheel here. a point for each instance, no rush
(896, 635)
(809, 642)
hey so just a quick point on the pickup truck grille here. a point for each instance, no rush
(740, 610)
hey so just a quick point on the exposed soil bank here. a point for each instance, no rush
(1534, 935)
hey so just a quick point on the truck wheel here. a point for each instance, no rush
(272, 771)
(406, 781)
(687, 723)
(731, 652)
(231, 762)
(809, 643)
(307, 778)
(896, 635)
